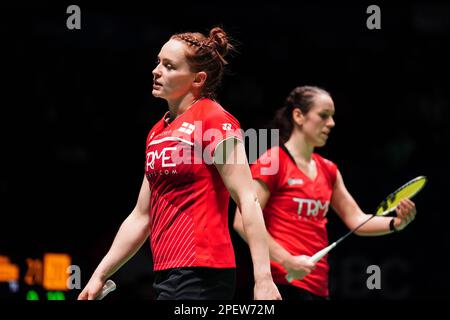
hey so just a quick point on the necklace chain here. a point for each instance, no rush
(188, 107)
(194, 102)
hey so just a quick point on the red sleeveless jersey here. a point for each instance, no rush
(295, 214)
(189, 202)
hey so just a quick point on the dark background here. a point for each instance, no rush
(76, 107)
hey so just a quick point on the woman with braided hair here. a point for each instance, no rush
(189, 176)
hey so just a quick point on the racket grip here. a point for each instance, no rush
(107, 288)
(320, 254)
(316, 257)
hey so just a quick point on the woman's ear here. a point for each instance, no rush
(297, 116)
(199, 80)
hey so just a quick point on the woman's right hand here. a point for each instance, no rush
(299, 267)
(92, 289)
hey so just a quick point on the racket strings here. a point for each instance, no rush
(408, 190)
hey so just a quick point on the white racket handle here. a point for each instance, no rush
(316, 257)
(107, 288)
(320, 254)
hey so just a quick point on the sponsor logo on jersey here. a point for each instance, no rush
(164, 155)
(165, 172)
(226, 126)
(164, 133)
(311, 208)
(292, 181)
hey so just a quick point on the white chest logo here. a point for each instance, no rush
(164, 155)
(294, 181)
(311, 207)
(186, 127)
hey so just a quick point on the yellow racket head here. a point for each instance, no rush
(408, 190)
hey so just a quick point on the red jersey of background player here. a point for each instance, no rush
(189, 202)
(295, 213)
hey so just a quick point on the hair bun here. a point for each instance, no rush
(219, 40)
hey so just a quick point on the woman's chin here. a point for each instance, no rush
(156, 93)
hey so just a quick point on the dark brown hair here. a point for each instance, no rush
(301, 98)
(207, 54)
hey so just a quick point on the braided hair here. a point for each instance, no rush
(207, 54)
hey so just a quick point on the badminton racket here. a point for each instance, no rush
(389, 204)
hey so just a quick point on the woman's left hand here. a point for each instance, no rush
(266, 290)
